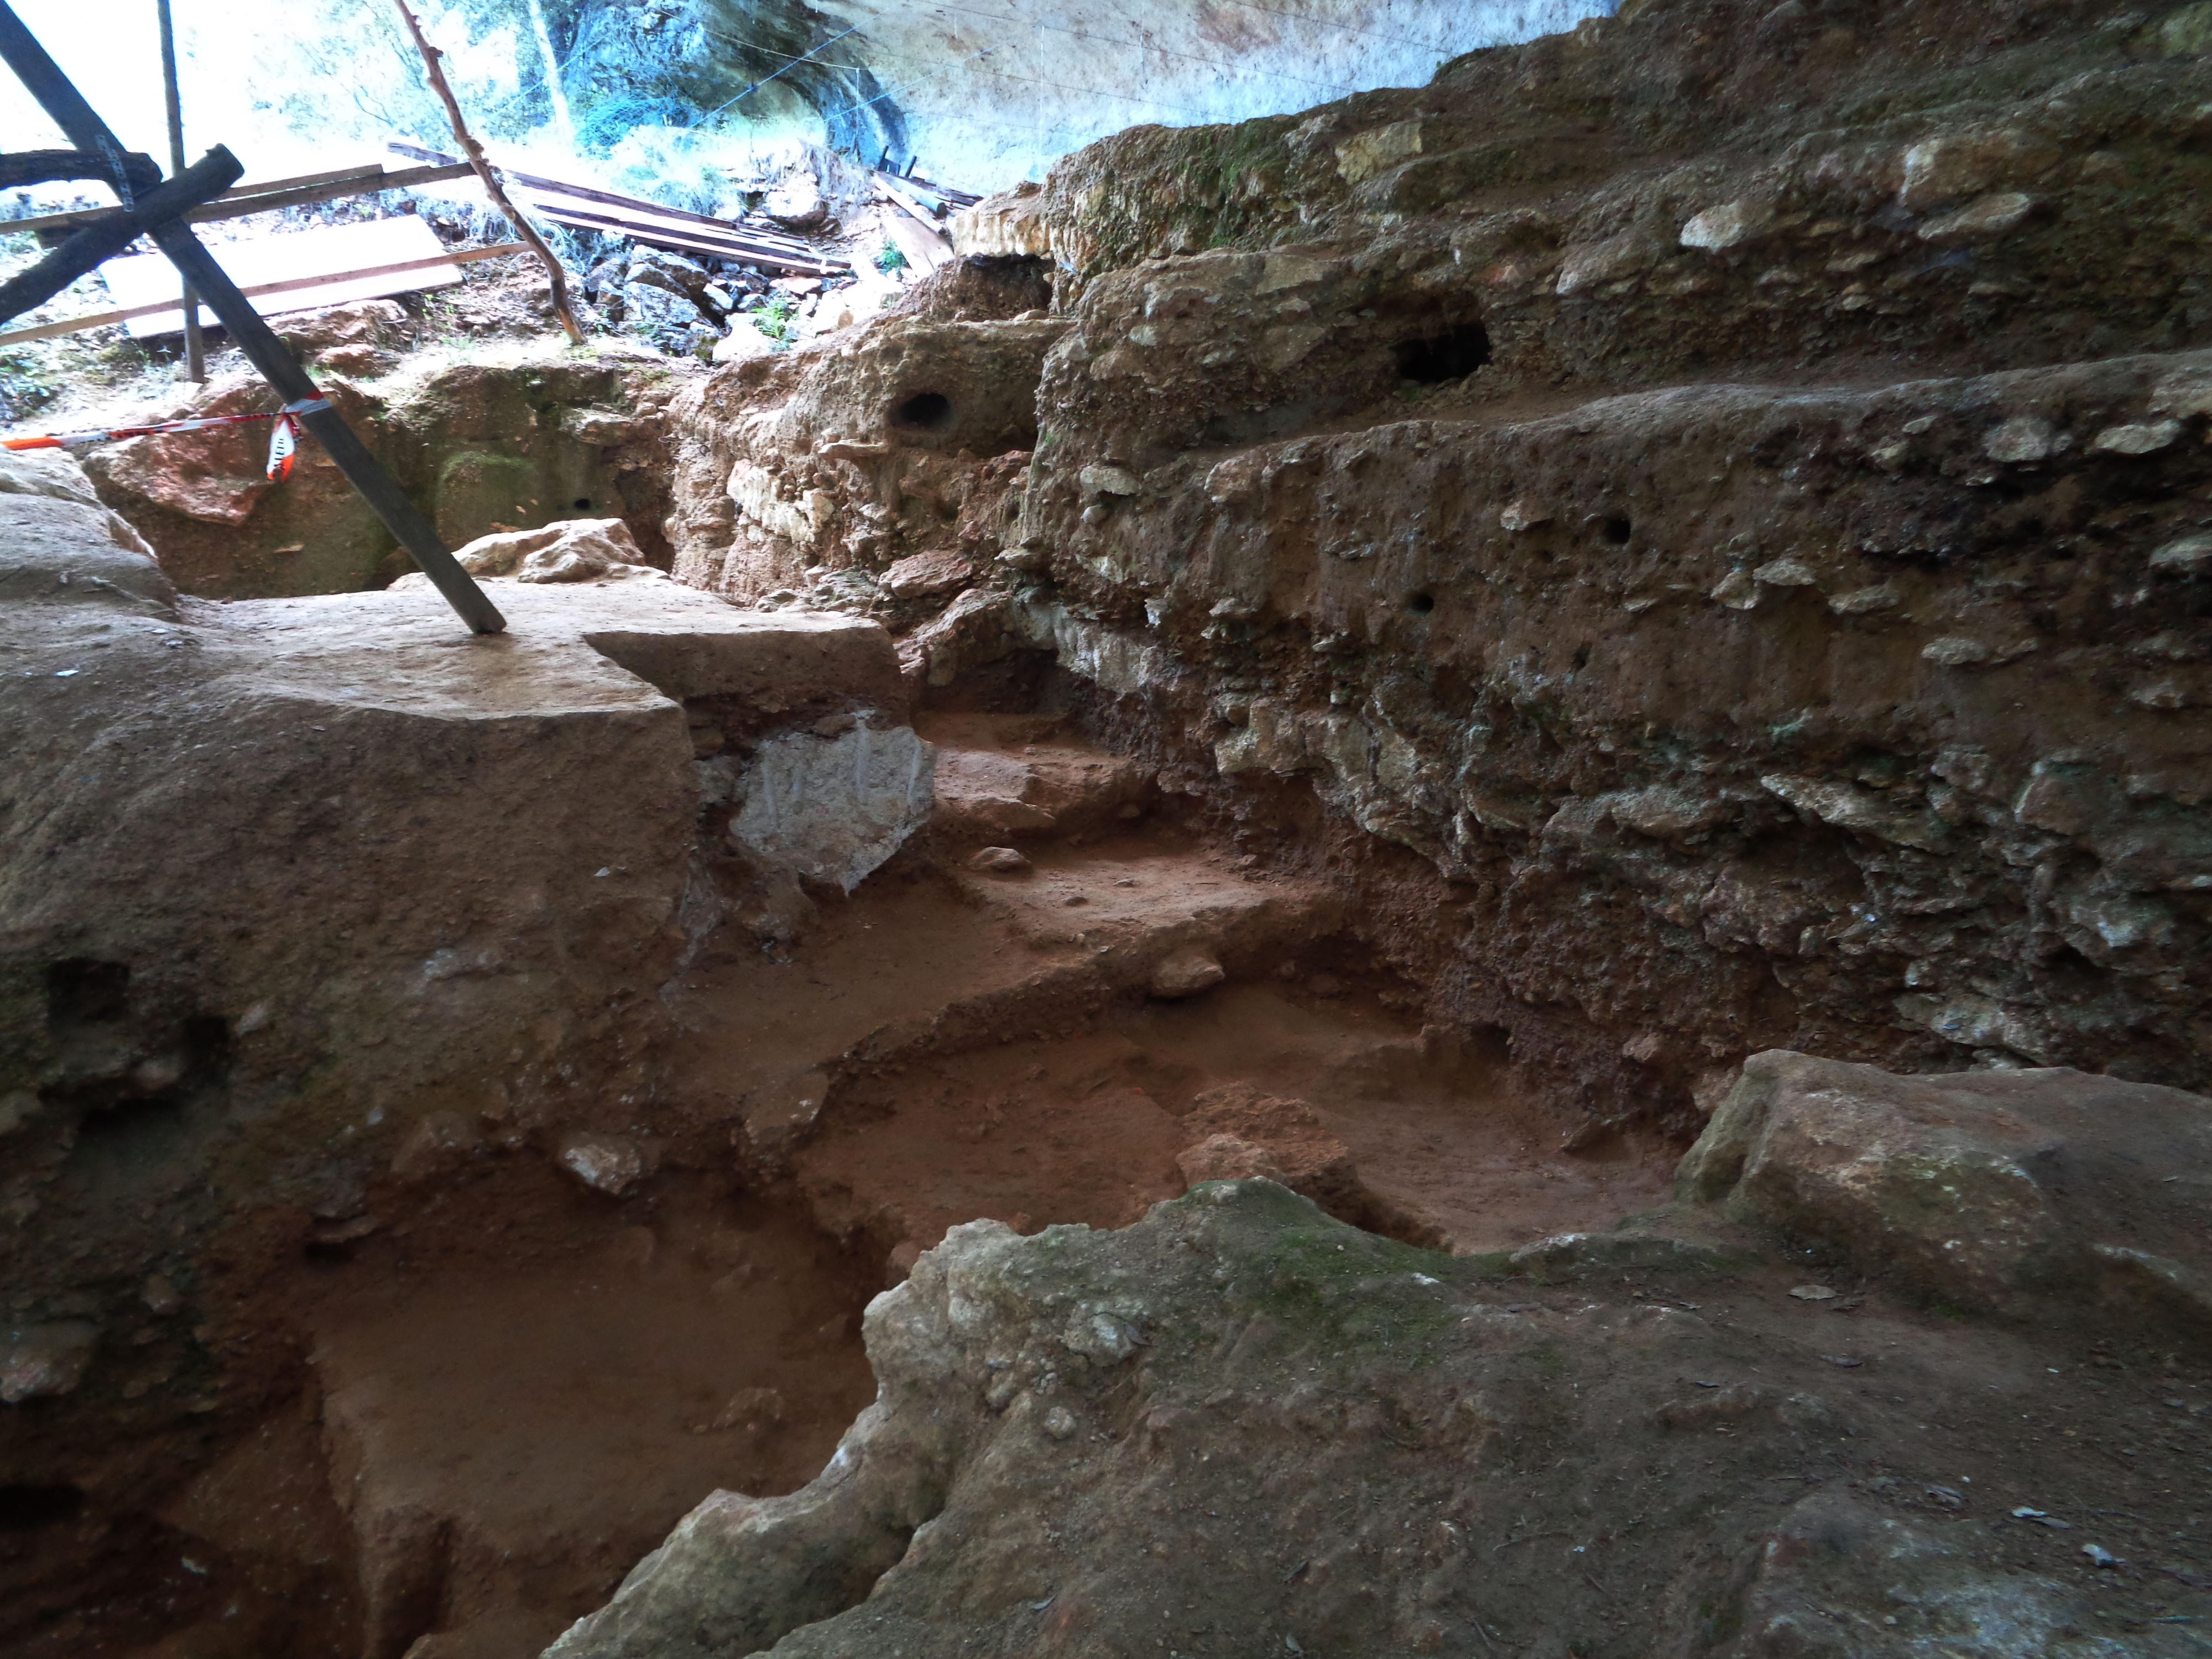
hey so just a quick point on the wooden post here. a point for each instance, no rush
(195, 343)
(493, 188)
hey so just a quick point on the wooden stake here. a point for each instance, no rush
(195, 346)
(493, 188)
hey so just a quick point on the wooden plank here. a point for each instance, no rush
(535, 185)
(295, 255)
(263, 199)
(688, 241)
(371, 171)
(796, 247)
(128, 313)
(737, 242)
(270, 201)
(897, 190)
(925, 247)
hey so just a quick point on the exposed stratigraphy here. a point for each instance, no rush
(1746, 545)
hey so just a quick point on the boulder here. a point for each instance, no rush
(924, 575)
(1240, 1411)
(1185, 973)
(51, 1359)
(606, 1163)
(565, 550)
(2007, 1191)
(833, 808)
(1034, 787)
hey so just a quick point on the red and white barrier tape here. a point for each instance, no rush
(283, 439)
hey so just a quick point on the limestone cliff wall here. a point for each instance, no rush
(1726, 491)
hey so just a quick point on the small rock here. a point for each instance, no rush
(1785, 573)
(900, 1262)
(1059, 1423)
(751, 1409)
(1956, 651)
(1866, 601)
(2189, 556)
(1949, 1497)
(999, 862)
(1992, 215)
(2023, 437)
(38, 1361)
(1814, 1293)
(159, 1295)
(2100, 1556)
(2142, 438)
(1726, 226)
(606, 1163)
(1523, 515)
(1185, 973)
(921, 575)
(1108, 481)
(1738, 591)
(439, 1143)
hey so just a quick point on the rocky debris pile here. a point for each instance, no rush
(681, 305)
(2030, 1192)
(1240, 1425)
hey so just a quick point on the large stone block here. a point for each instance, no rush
(2012, 1191)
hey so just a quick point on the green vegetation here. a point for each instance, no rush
(773, 319)
(890, 259)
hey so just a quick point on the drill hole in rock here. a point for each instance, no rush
(581, 504)
(1434, 359)
(1421, 604)
(923, 411)
(82, 992)
(1615, 528)
(27, 1508)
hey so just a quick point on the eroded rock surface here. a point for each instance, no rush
(1700, 485)
(1239, 1426)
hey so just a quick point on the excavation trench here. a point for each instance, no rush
(493, 1371)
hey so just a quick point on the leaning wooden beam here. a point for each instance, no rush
(115, 230)
(264, 198)
(261, 290)
(530, 181)
(66, 107)
(554, 275)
